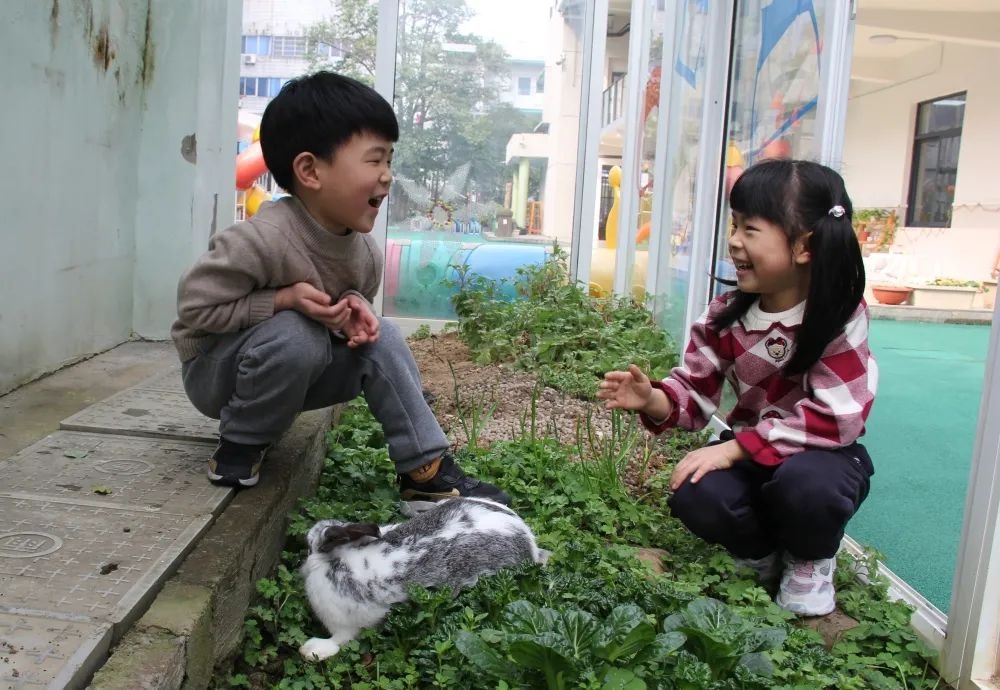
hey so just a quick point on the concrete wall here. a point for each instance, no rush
(99, 100)
(879, 146)
(187, 162)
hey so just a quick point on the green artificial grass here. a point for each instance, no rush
(920, 436)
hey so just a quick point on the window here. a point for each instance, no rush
(256, 45)
(288, 46)
(935, 161)
(540, 83)
(328, 51)
(266, 87)
(524, 86)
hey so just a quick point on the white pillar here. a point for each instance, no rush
(521, 210)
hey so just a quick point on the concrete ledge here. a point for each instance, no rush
(196, 620)
(905, 312)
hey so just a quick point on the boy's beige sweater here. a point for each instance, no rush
(232, 286)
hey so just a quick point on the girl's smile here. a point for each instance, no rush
(766, 264)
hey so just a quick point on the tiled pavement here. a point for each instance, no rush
(93, 518)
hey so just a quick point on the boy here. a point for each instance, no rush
(276, 317)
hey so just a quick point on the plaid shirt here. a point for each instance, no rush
(775, 416)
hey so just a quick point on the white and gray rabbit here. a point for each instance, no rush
(356, 571)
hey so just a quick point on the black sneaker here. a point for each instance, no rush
(236, 464)
(449, 482)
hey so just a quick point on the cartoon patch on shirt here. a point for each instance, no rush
(777, 348)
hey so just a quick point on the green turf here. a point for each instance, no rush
(920, 436)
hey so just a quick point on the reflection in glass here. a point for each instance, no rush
(685, 110)
(775, 90)
(935, 161)
(478, 159)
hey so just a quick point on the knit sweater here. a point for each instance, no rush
(232, 286)
(775, 415)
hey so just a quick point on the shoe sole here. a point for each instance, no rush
(219, 480)
(802, 610)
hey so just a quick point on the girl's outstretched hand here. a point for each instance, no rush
(626, 390)
(698, 463)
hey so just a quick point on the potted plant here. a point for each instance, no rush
(892, 294)
(875, 228)
(946, 293)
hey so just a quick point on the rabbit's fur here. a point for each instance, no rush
(356, 571)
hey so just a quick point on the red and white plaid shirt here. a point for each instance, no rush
(775, 416)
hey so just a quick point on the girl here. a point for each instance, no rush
(792, 340)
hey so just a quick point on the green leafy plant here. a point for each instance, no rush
(723, 640)
(423, 332)
(567, 338)
(606, 457)
(570, 645)
(956, 282)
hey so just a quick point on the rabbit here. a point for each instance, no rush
(356, 571)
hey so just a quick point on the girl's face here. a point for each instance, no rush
(765, 263)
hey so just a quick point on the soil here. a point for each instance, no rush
(456, 382)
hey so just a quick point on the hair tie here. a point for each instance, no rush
(837, 211)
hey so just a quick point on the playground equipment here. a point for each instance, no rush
(249, 166)
(421, 278)
(602, 263)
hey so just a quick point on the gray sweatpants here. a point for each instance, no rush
(256, 381)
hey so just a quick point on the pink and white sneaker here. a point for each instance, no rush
(807, 587)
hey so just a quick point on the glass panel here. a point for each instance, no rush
(934, 185)
(774, 92)
(685, 109)
(649, 118)
(946, 113)
(484, 173)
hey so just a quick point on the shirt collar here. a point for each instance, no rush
(756, 319)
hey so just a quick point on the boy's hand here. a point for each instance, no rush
(362, 327)
(305, 299)
(698, 463)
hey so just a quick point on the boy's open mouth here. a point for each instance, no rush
(742, 265)
(376, 201)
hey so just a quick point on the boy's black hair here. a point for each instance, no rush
(317, 113)
(797, 196)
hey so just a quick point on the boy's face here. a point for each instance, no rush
(354, 183)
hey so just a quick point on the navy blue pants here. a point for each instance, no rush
(801, 506)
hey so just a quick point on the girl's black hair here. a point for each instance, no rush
(798, 196)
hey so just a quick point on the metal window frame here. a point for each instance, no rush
(588, 174)
(918, 140)
(711, 156)
(668, 130)
(628, 213)
(970, 657)
(386, 41)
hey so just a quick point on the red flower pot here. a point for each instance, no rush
(891, 294)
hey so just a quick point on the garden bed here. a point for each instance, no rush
(593, 487)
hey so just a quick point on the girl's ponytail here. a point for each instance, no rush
(836, 283)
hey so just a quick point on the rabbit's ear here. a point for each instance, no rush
(336, 535)
(357, 530)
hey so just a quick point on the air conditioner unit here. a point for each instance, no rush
(249, 59)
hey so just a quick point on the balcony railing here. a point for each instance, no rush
(613, 102)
